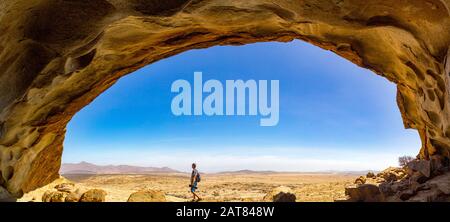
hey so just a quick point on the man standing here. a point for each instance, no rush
(195, 178)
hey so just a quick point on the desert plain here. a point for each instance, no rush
(214, 187)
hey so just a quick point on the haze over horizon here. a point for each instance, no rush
(188, 170)
(333, 116)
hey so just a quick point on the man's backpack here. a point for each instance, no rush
(198, 178)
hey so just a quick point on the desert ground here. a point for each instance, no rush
(323, 187)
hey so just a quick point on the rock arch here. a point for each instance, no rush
(56, 56)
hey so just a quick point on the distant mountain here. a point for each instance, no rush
(89, 168)
(248, 172)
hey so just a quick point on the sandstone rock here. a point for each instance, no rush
(392, 174)
(58, 196)
(393, 198)
(94, 195)
(147, 196)
(401, 185)
(389, 177)
(74, 196)
(54, 62)
(280, 194)
(405, 195)
(416, 187)
(5, 196)
(401, 175)
(65, 187)
(427, 196)
(380, 180)
(422, 166)
(53, 196)
(439, 165)
(364, 193)
(371, 175)
(418, 177)
(391, 188)
(360, 180)
(341, 199)
(442, 183)
(46, 196)
(387, 189)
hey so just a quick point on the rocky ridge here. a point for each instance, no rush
(419, 181)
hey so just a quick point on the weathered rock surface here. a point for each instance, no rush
(360, 180)
(57, 56)
(419, 181)
(74, 196)
(280, 194)
(94, 195)
(69, 192)
(370, 175)
(364, 193)
(5, 196)
(54, 196)
(147, 196)
(391, 174)
(65, 187)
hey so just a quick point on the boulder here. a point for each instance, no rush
(380, 180)
(442, 183)
(360, 180)
(422, 166)
(400, 185)
(439, 165)
(280, 194)
(419, 186)
(405, 195)
(74, 196)
(387, 189)
(147, 196)
(427, 196)
(46, 196)
(53, 196)
(401, 190)
(371, 175)
(94, 195)
(391, 174)
(5, 196)
(65, 187)
(426, 180)
(418, 177)
(364, 193)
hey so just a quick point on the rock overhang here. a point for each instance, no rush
(57, 56)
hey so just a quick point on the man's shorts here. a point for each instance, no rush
(194, 187)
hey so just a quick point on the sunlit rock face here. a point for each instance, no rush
(56, 56)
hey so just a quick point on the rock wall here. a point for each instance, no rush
(56, 56)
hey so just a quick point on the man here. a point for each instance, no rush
(195, 178)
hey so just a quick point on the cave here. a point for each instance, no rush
(56, 56)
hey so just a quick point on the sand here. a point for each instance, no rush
(320, 187)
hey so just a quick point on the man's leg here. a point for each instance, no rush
(193, 188)
(195, 195)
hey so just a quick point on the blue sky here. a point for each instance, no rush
(333, 116)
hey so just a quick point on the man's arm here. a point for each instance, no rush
(193, 176)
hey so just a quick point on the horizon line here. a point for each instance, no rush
(231, 171)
